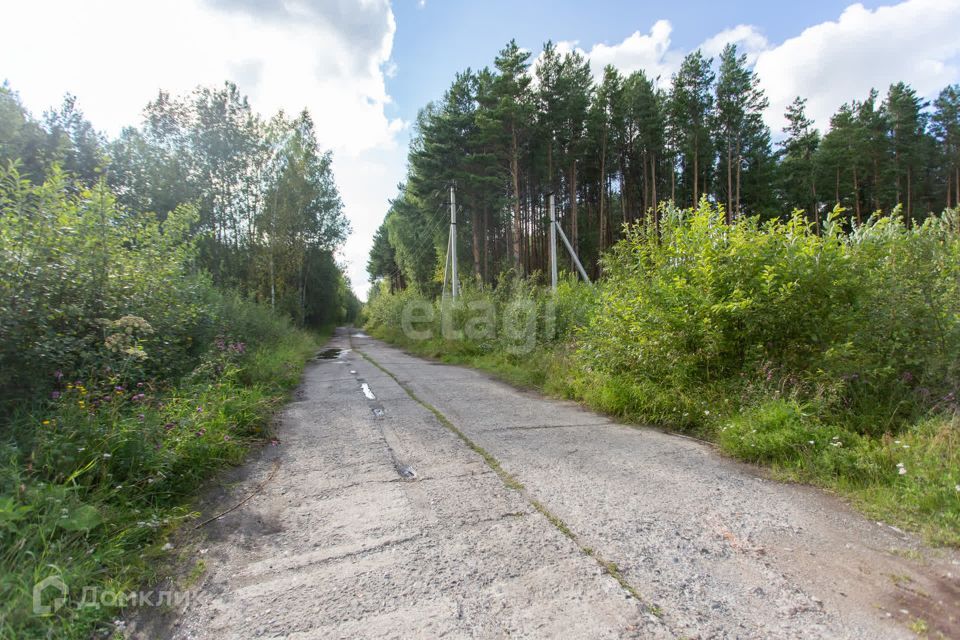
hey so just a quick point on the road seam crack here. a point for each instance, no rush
(513, 483)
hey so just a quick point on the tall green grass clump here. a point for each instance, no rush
(126, 380)
(516, 330)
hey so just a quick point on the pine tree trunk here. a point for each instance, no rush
(736, 200)
(574, 231)
(856, 196)
(949, 185)
(653, 181)
(896, 171)
(644, 199)
(515, 175)
(623, 187)
(696, 170)
(729, 184)
(838, 186)
(475, 233)
(673, 182)
(815, 208)
(603, 190)
(656, 205)
(909, 210)
(876, 185)
(486, 244)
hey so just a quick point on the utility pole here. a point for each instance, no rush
(554, 230)
(553, 244)
(453, 243)
(573, 254)
(446, 261)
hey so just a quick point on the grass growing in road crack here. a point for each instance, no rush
(512, 482)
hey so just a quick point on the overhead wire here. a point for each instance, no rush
(426, 241)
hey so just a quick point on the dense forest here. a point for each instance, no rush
(160, 294)
(612, 150)
(269, 214)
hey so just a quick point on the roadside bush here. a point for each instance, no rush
(126, 380)
(75, 265)
(868, 321)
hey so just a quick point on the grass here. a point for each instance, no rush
(773, 432)
(93, 488)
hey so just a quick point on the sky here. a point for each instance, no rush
(365, 67)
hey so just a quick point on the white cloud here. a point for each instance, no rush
(748, 39)
(366, 182)
(838, 61)
(830, 63)
(650, 52)
(330, 56)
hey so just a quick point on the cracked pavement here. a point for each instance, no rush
(450, 504)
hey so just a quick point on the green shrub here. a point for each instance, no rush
(870, 320)
(126, 380)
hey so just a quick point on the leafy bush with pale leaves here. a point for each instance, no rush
(869, 320)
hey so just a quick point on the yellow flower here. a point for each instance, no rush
(46, 422)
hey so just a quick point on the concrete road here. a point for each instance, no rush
(412, 499)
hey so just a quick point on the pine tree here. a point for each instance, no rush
(742, 137)
(797, 170)
(512, 112)
(946, 128)
(691, 112)
(606, 123)
(907, 126)
(643, 150)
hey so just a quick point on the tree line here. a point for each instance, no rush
(270, 216)
(613, 149)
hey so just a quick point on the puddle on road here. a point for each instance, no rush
(406, 472)
(359, 334)
(367, 392)
(329, 354)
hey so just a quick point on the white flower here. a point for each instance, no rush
(902, 470)
(167, 547)
(957, 487)
(706, 413)
(810, 442)
(107, 456)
